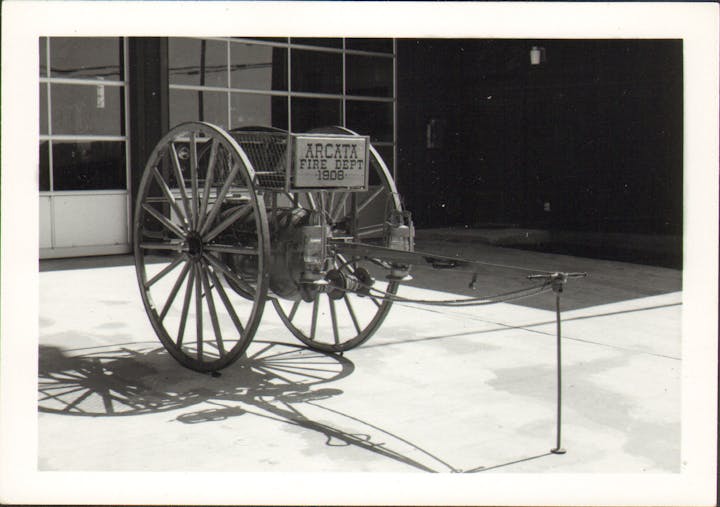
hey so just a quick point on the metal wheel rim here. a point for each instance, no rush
(206, 268)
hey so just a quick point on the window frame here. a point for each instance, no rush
(47, 80)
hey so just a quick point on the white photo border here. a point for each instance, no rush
(24, 21)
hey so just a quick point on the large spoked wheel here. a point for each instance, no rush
(196, 208)
(340, 322)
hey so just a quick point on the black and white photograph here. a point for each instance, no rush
(359, 253)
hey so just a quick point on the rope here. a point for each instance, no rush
(462, 302)
(470, 301)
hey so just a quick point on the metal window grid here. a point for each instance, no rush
(229, 90)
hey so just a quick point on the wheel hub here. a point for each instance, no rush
(195, 245)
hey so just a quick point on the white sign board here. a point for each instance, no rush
(329, 162)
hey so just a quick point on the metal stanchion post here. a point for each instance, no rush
(557, 281)
(557, 289)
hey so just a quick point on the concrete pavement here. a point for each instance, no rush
(441, 390)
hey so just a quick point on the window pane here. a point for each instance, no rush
(43, 109)
(318, 41)
(43, 56)
(377, 45)
(369, 75)
(83, 109)
(370, 118)
(188, 105)
(258, 67)
(197, 62)
(316, 72)
(308, 114)
(44, 176)
(258, 110)
(96, 165)
(86, 57)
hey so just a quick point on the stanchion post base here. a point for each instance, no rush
(558, 450)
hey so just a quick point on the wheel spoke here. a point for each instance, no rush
(209, 176)
(297, 368)
(164, 221)
(59, 396)
(372, 197)
(165, 271)
(168, 195)
(335, 213)
(239, 250)
(179, 177)
(333, 317)
(311, 201)
(217, 264)
(211, 308)
(226, 302)
(352, 313)
(162, 246)
(219, 199)
(185, 308)
(175, 289)
(292, 197)
(69, 406)
(262, 351)
(271, 373)
(370, 230)
(330, 205)
(294, 371)
(293, 310)
(239, 214)
(313, 326)
(194, 180)
(198, 312)
(322, 198)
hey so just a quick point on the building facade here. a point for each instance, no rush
(104, 102)
(578, 136)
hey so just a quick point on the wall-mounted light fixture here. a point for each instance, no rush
(537, 55)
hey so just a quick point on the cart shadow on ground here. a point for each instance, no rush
(276, 381)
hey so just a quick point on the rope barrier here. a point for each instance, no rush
(551, 282)
(471, 301)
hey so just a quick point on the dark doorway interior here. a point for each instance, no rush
(589, 140)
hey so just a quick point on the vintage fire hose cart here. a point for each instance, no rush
(227, 221)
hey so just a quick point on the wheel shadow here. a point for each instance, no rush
(275, 381)
(142, 378)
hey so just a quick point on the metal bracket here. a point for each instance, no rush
(557, 280)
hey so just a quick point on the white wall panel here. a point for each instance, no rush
(45, 222)
(90, 220)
